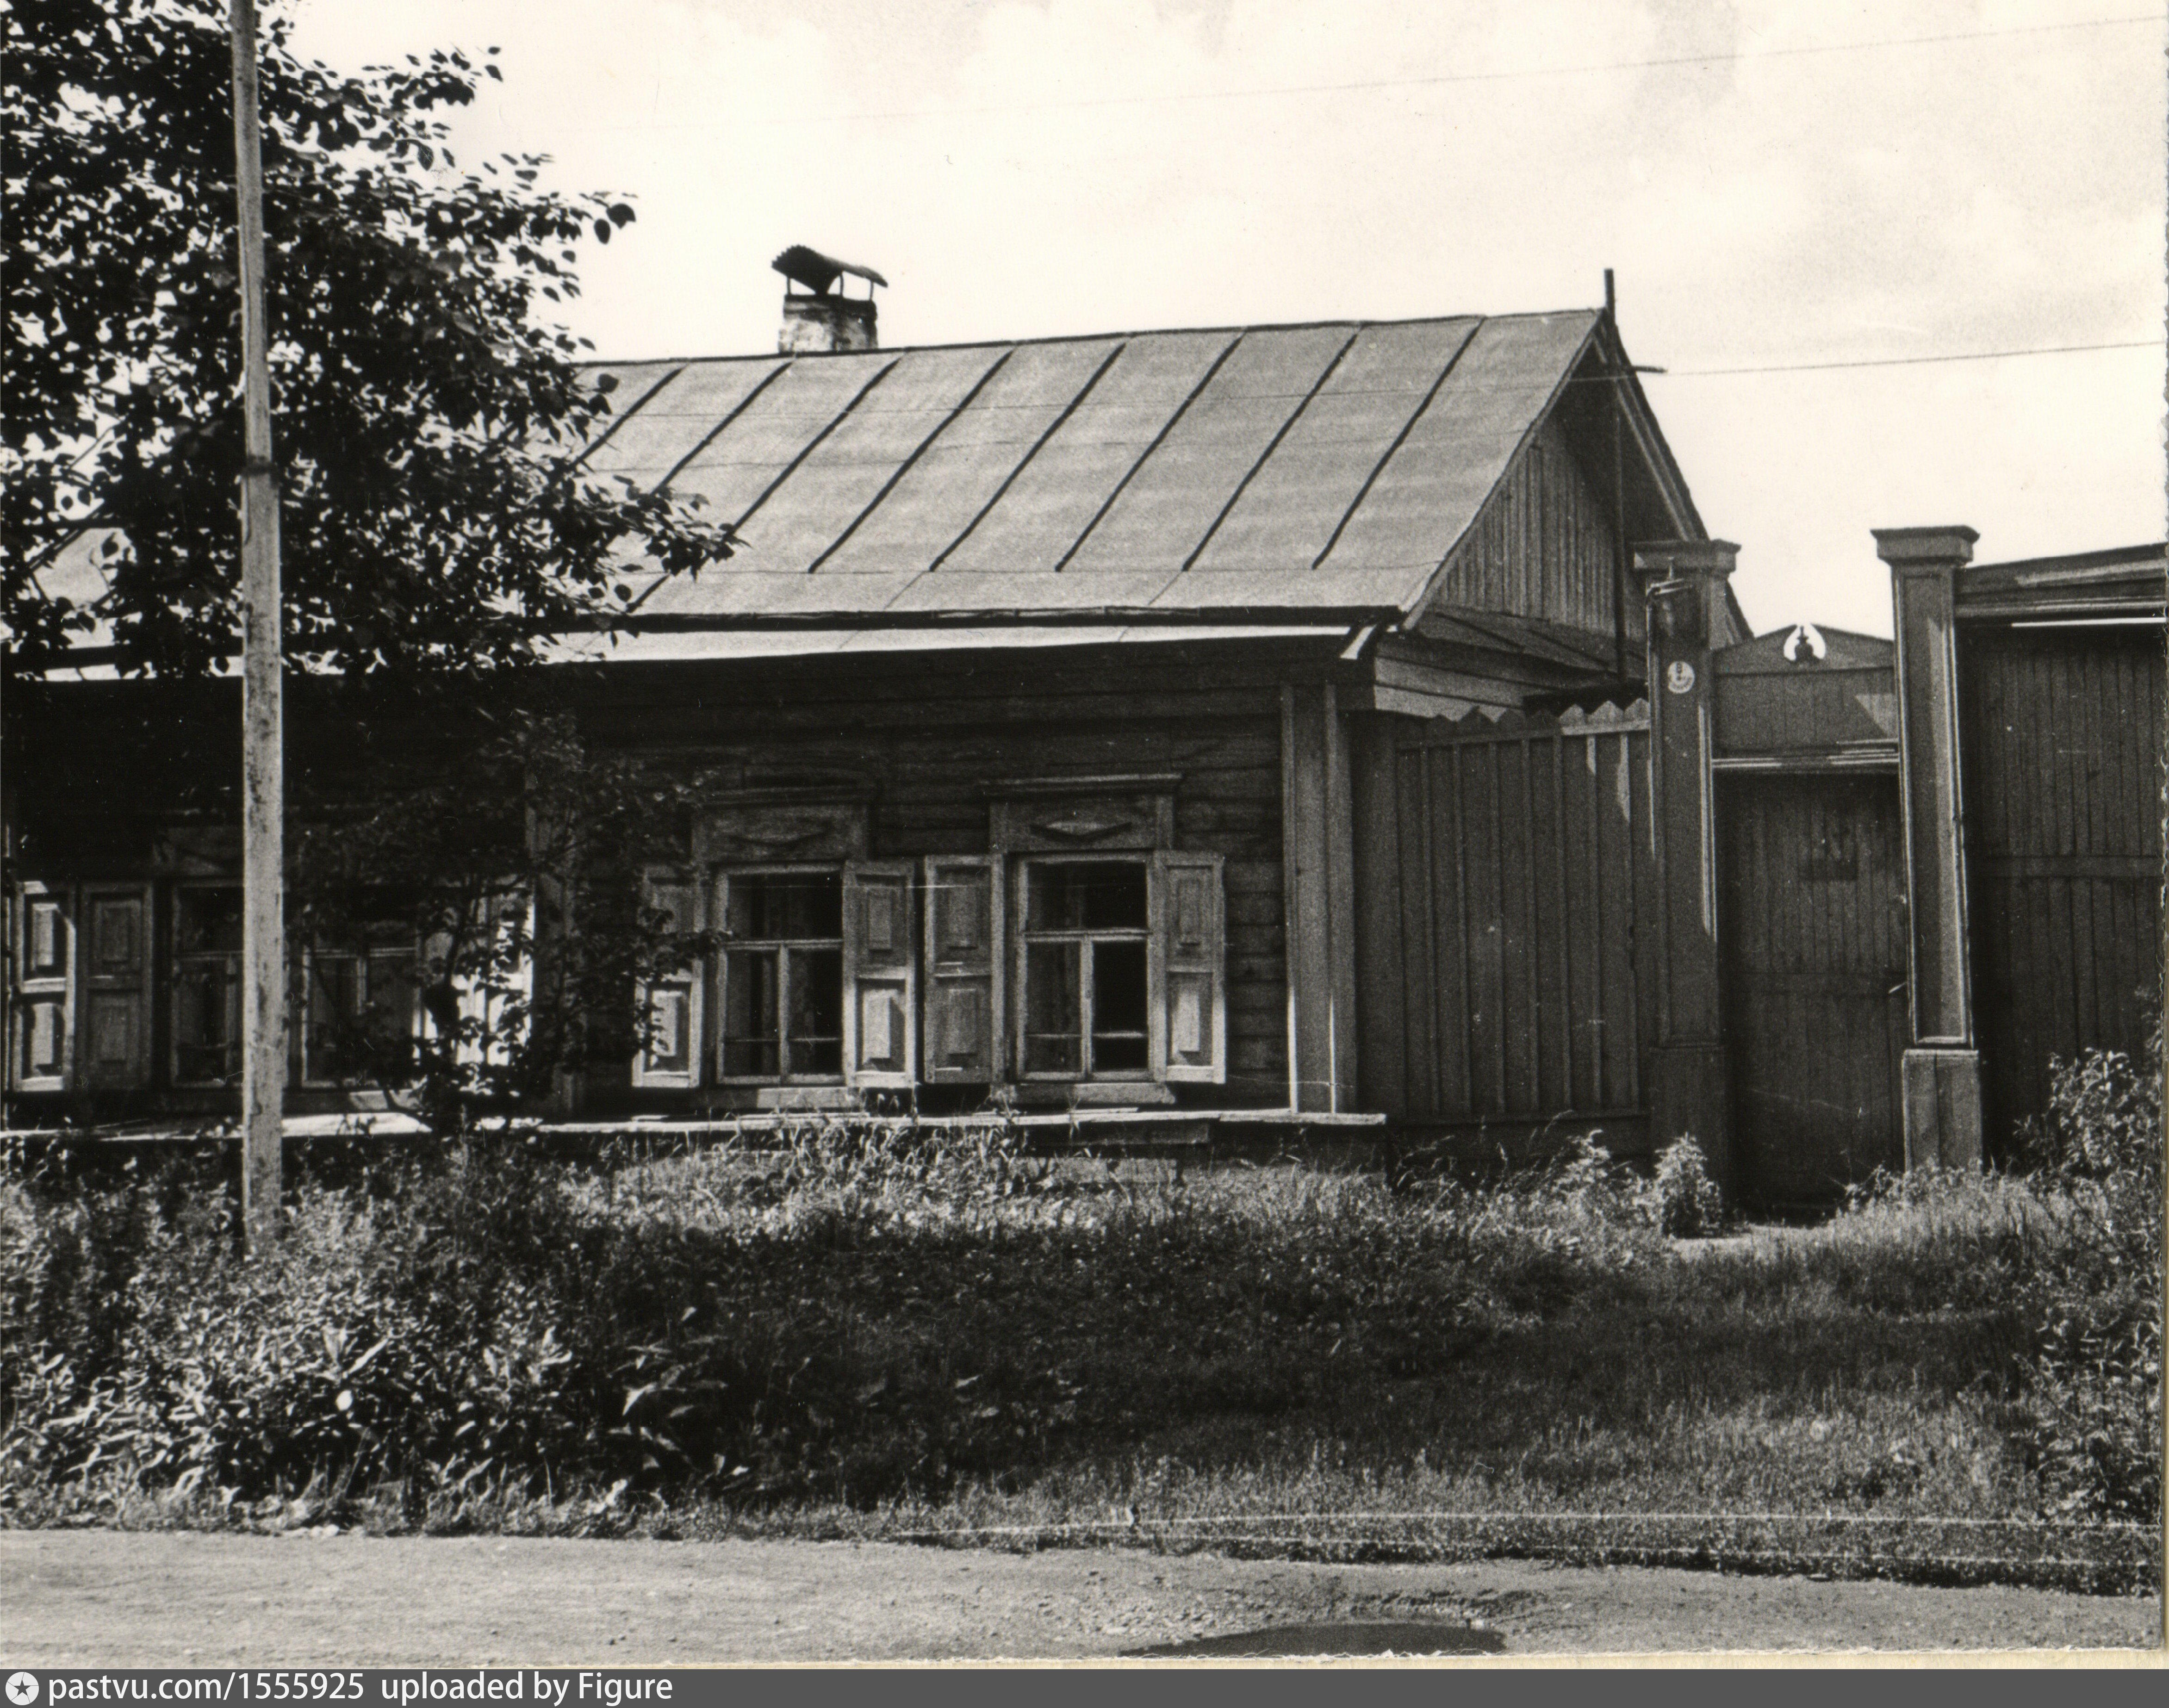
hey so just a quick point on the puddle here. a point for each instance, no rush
(1339, 1636)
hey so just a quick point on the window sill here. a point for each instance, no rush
(1092, 1094)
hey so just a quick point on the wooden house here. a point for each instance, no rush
(1054, 707)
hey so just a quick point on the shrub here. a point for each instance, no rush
(870, 1309)
(2095, 1394)
(1681, 1198)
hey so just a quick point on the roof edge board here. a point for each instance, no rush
(1341, 616)
(1658, 460)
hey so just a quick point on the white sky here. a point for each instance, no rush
(1022, 168)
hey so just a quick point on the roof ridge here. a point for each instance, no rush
(1233, 329)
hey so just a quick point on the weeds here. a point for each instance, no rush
(863, 1329)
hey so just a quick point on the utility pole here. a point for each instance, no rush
(262, 782)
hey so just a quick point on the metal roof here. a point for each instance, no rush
(1240, 475)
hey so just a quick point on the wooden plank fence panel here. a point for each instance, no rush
(1451, 978)
(1508, 863)
(2060, 731)
(1810, 913)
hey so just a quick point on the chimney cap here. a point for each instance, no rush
(818, 272)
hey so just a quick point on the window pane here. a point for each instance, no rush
(392, 996)
(772, 904)
(207, 1020)
(817, 1011)
(751, 1034)
(1053, 1029)
(1087, 896)
(334, 1045)
(1118, 1008)
(207, 920)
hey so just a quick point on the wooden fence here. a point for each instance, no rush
(1503, 871)
(2060, 730)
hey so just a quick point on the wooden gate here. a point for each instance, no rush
(1502, 868)
(1812, 921)
(2061, 734)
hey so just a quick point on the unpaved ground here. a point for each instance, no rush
(77, 1598)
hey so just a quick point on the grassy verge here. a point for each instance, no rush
(865, 1335)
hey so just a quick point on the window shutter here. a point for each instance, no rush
(671, 1061)
(879, 971)
(44, 998)
(115, 1044)
(504, 916)
(1190, 1009)
(964, 970)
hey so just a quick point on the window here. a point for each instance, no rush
(206, 986)
(1084, 956)
(352, 1010)
(782, 997)
(965, 968)
(357, 1014)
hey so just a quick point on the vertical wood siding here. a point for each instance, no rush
(1542, 546)
(1501, 869)
(2061, 734)
(1811, 915)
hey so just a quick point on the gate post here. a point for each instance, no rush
(1940, 1090)
(1684, 584)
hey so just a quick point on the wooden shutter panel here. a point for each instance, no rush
(43, 1032)
(114, 1043)
(1190, 1007)
(964, 970)
(880, 975)
(672, 1060)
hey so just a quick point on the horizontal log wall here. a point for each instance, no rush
(920, 737)
(927, 738)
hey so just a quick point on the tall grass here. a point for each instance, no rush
(868, 1330)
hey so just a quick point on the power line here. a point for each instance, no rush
(1910, 361)
(1444, 80)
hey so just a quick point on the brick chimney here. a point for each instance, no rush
(821, 319)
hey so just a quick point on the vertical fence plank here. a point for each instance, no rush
(1520, 847)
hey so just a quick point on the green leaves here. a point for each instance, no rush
(426, 425)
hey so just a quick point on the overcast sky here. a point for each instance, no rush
(1770, 190)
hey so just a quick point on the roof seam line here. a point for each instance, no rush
(1077, 545)
(706, 439)
(611, 432)
(1408, 426)
(1523, 441)
(1025, 461)
(815, 443)
(1265, 455)
(732, 414)
(904, 468)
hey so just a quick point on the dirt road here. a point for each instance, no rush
(97, 1597)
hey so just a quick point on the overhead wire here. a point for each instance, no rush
(1439, 80)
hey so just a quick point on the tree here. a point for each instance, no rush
(434, 513)
(511, 877)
